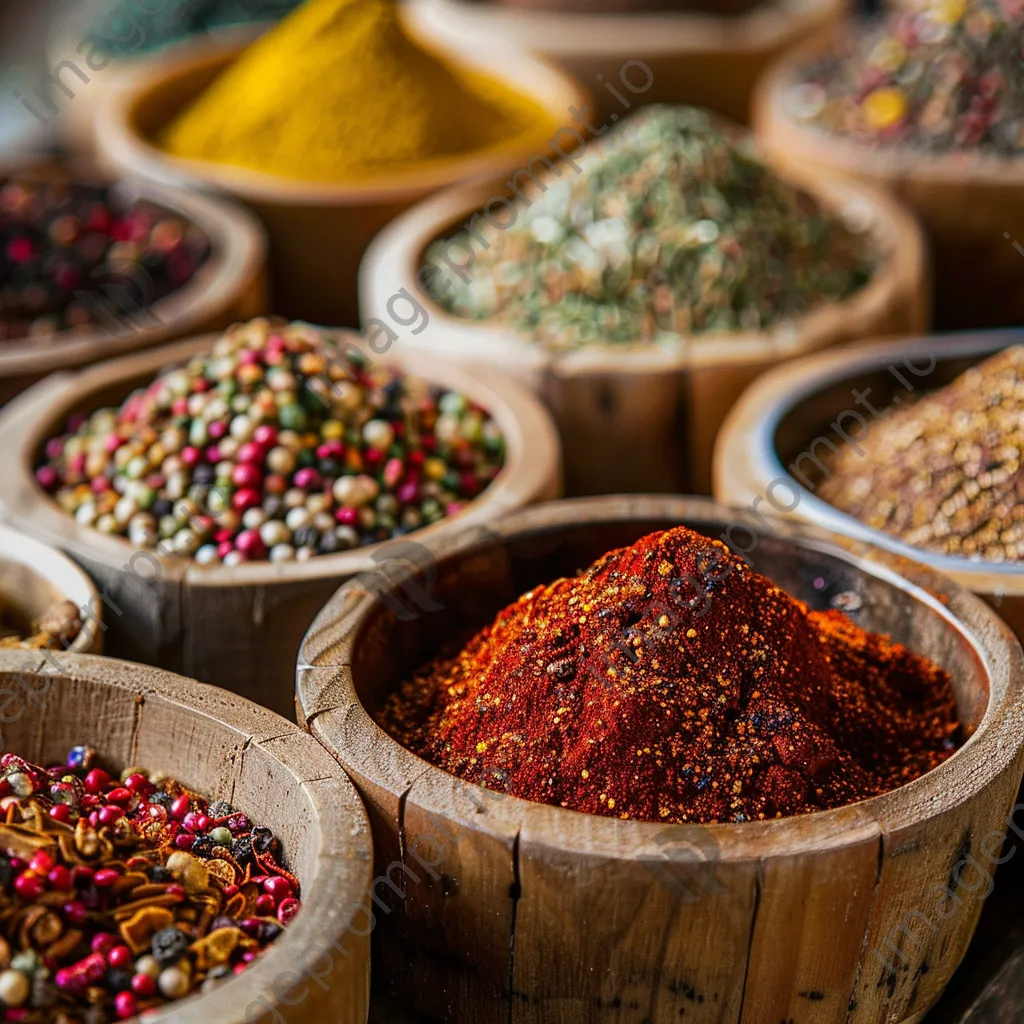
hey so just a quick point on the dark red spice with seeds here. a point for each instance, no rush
(669, 682)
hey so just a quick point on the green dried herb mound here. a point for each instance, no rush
(673, 227)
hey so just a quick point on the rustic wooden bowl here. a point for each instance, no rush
(644, 417)
(33, 577)
(788, 409)
(709, 58)
(222, 746)
(972, 206)
(318, 232)
(239, 627)
(524, 912)
(230, 286)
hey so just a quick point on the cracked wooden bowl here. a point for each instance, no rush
(224, 747)
(501, 909)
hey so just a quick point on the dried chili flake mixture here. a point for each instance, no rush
(118, 895)
(939, 75)
(671, 683)
(945, 473)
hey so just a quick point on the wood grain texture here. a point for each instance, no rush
(968, 202)
(794, 407)
(318, 231)
(230, 286)
(224, 747)
(640, 417)
(708, 58)
(522, 912)
(241, 627)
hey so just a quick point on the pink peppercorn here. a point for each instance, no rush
(119, 956)
(108, 815)
(74, 912)
(249, 453)
(121, 795)
(307, 478)
(180, 406)
(224, 548)
(192, 820)
(97, 780)
(138, 783)
(250, 545)
(29, 886)
(103, 943)
(20, 249)
(246, 475)
(217, 429)
(346, 516)
(190, 455)
(181, 806)
(105, 878)
(61, 878)
(245, 498)
(42, 863)
(184, 841)
(266, 905)
(125, 1005)
(143, 986)
(47, 478)
(287, 909)
(278, 887)
(175, 890)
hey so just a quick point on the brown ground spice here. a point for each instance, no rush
(669, 682)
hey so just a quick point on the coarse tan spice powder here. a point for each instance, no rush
(669, 682)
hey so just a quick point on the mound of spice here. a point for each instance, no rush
(383, 103)
(121, 895)
(129, 32)
(76, 255)
(279, 443)
(945, 473)
(673, 227)
(59, 624)
(938, 75)
(632, 691)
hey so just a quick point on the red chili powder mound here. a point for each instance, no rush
(669, 682)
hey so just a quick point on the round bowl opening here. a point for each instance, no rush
(471, 587)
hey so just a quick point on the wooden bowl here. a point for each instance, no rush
(784, 412)
(230, 286)
(33, 577)
(530, 913)
(971, 205)
(224, 747)
(240, 627)
(698, 57)
(317, 231)
(644, 417)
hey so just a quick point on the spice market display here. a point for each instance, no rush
(395, 107)
(673, 227)
(67, 248)
(279, 444)
(936, 75)
(615, 694)
(945, 473)
(123, 893)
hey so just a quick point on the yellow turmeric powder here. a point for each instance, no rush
(339, 92)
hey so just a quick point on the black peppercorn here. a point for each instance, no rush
(241, 850)
(263, 840)
(203, 846)
(169, 946)
(219, 808)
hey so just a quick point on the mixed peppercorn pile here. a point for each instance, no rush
(118, 895)
(671, 683)
(938, 75)
(276, 444)
(75, 255)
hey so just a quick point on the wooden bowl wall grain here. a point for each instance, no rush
(34, 576)
(793, 408)
(231, 285)
(240, 627)
(318, 232)
(224, 747)
(968, 203)
(644, 417)
(710, 58)
(523, 912)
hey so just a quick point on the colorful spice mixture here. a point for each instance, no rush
(671, 683)
(75, 255)
(60, 624)
(121, 894)
(945, 473)
(938, 75)
(673, 227)
(131, 29)
(340, 92)
(279, 443)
